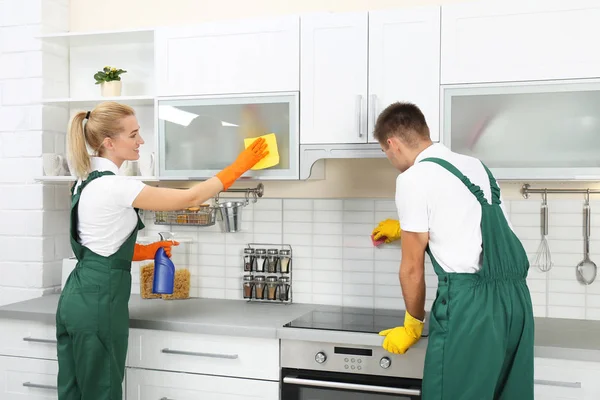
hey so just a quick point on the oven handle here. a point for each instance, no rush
(351, 386)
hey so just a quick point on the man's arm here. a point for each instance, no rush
(412, 272)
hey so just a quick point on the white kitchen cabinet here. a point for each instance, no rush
(333, 81)
(27, 379)
(353, 65)
(225, 57)
(146, 384)
(242, 357)
(493, 41)
(27, 339)
(404, 63)
(566, 380)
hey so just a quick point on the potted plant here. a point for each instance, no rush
(109, 80)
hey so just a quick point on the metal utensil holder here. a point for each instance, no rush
(206, 216)
(257, 290)
(230, 213)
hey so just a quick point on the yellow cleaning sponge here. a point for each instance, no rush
(272, 158)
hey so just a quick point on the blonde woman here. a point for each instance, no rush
(92, 318)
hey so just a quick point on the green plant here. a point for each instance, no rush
(108, 74)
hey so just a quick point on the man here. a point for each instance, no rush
(481, 327)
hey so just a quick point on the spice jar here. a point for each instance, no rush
(285, 261)
(248, 286)
(260, 260)
(259, 287)
(284, 288)
(272, 287)
(272, 260)
(249, 259)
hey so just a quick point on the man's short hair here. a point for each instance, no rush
(404, 121)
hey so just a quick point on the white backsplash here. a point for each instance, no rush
(335, 263)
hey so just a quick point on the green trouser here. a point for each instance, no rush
(92, 319)
(481, 325)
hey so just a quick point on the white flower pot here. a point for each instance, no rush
(110, 89)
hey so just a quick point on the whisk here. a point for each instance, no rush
(543, 258)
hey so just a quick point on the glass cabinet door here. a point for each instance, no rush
(202, 135)
(548, 130)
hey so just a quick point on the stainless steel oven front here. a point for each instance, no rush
(328, 371)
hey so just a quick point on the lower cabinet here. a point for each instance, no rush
(557, 379)
(158, 385)
(27, 379)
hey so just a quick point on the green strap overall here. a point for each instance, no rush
(481, 327)
(92, 318)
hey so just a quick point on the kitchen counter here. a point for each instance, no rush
(204, 316)
(554, 338)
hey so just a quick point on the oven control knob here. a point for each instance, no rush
(385, 362)
(320, 357)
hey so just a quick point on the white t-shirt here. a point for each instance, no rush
(431, 199)
(106, 215)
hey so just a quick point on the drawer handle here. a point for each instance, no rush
(38, 386)
(165, 398)
(575, 385)
(191, 353)
(35, 340)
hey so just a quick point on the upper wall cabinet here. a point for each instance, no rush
(355, 64)
(248, 56)
(520, 41)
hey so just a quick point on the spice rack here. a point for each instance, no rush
(267, 273)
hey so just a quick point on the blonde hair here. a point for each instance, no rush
(104, 121)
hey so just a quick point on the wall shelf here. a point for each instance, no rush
(100, 38)
(130, 100)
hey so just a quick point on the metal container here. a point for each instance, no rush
(230, 215)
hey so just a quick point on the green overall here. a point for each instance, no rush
(481, 325)
(92, 318)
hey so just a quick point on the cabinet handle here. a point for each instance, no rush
(38, 386)
(374, 108)
(574, 385)
(191, 353)
(359, 100)
(165, 398)
(35, 340)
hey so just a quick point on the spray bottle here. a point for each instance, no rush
(164, 272)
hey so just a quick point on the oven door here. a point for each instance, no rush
(299, 384)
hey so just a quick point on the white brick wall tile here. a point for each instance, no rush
(358, 217)
(55, 16)
(23, 197)
(302, 287)
(358, 277)
(387, 266)
(328, 216)
(327, 299)
(21, 12)
(385, 206)
(358, 265)
(21, 65)
(327, 276)
(23, 38)
(20, 170)
(327, 240)
(327, 252)
(267, 216)
(359, 205)
(364, 229)
(52, 274)
(302, 276)
(269, 204)
(21, 223)
(268, 238)
(328, 228)
(22, 144)
(22, 91)
(389, 291)
(297, 204)
(22, 274)
(297, 216)
(566, 312)
(327, 264)
(358, 241)
(351, 289)
(328, 205)
(267, 227)
(298, 227)
(326, 288)
(20, 248)
(358, 301)
(294, 239)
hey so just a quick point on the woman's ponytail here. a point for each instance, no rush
(77, 153)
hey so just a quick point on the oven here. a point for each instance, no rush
(298, 384)
(329, 371)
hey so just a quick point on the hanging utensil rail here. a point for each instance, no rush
(526, 190)
(256, 192)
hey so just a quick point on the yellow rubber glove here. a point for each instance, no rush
(388, 229)
(245, 160)
(398, 340)
(143, 252)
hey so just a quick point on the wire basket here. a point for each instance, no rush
(195, 216)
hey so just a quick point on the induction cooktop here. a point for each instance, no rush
(352, 319)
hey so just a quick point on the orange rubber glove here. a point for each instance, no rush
(143, 252)
(398, 340)
(389, 230)
(246, 160)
